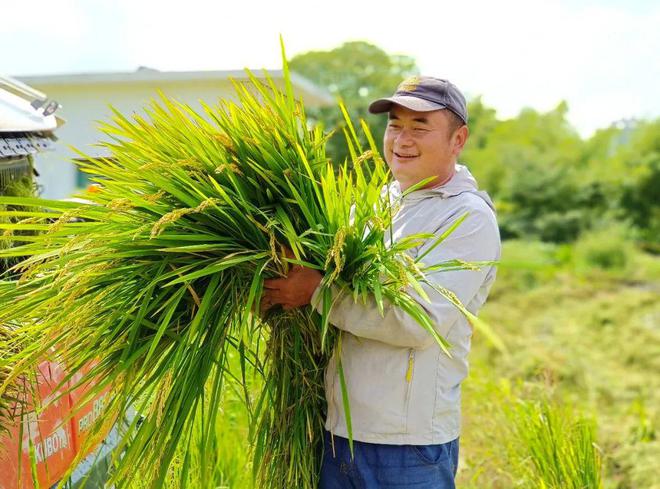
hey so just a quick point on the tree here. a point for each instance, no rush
(640, 181)
(356, 72)
(529, 164)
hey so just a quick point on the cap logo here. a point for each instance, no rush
(409, 85)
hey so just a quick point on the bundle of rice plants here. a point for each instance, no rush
(158, 279)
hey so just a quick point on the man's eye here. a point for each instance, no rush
(420, 129)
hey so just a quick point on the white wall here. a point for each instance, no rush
(84, 105)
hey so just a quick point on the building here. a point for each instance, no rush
(85, 100)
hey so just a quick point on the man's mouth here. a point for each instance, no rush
(404, 156)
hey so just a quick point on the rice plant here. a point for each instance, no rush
(558, 450)
(159, 276)
(8, 394)
(22, 186)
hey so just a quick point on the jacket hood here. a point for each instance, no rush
(462, 181)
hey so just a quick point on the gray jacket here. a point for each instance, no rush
(402, 388)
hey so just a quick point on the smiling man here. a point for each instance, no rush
(420, 145)
(404, 392)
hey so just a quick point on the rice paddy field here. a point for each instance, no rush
(584, 351)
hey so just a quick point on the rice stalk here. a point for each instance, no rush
(557, 449)
(10, 400)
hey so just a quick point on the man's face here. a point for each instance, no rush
(419, 145)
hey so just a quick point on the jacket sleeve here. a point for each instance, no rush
(475, 239)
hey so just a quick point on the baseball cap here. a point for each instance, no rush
(424, 94)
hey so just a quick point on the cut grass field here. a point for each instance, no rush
(587, 339)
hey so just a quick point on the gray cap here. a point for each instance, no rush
(424, 94)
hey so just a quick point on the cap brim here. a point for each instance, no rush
(413, 103)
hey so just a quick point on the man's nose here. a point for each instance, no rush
(404, 138)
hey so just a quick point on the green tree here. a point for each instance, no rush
(356, 72)
(528, 163)
(638, 157)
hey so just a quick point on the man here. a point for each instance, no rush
(404, 392)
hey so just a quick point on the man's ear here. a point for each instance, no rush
(459, 139)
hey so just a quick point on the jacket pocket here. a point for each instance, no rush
(376, 379)
(430, 454)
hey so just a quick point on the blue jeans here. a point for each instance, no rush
(388, 466)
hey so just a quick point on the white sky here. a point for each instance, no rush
(602, 57)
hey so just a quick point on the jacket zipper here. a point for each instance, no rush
(409, 371)
(409, 378)
(331, 397)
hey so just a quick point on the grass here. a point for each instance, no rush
(586, 339)
(555, 448)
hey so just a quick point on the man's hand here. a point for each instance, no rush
(295, 290)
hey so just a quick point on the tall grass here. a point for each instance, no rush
(557, 447)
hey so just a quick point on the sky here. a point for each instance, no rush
(601, 57)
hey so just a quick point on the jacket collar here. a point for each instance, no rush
(461, 181)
